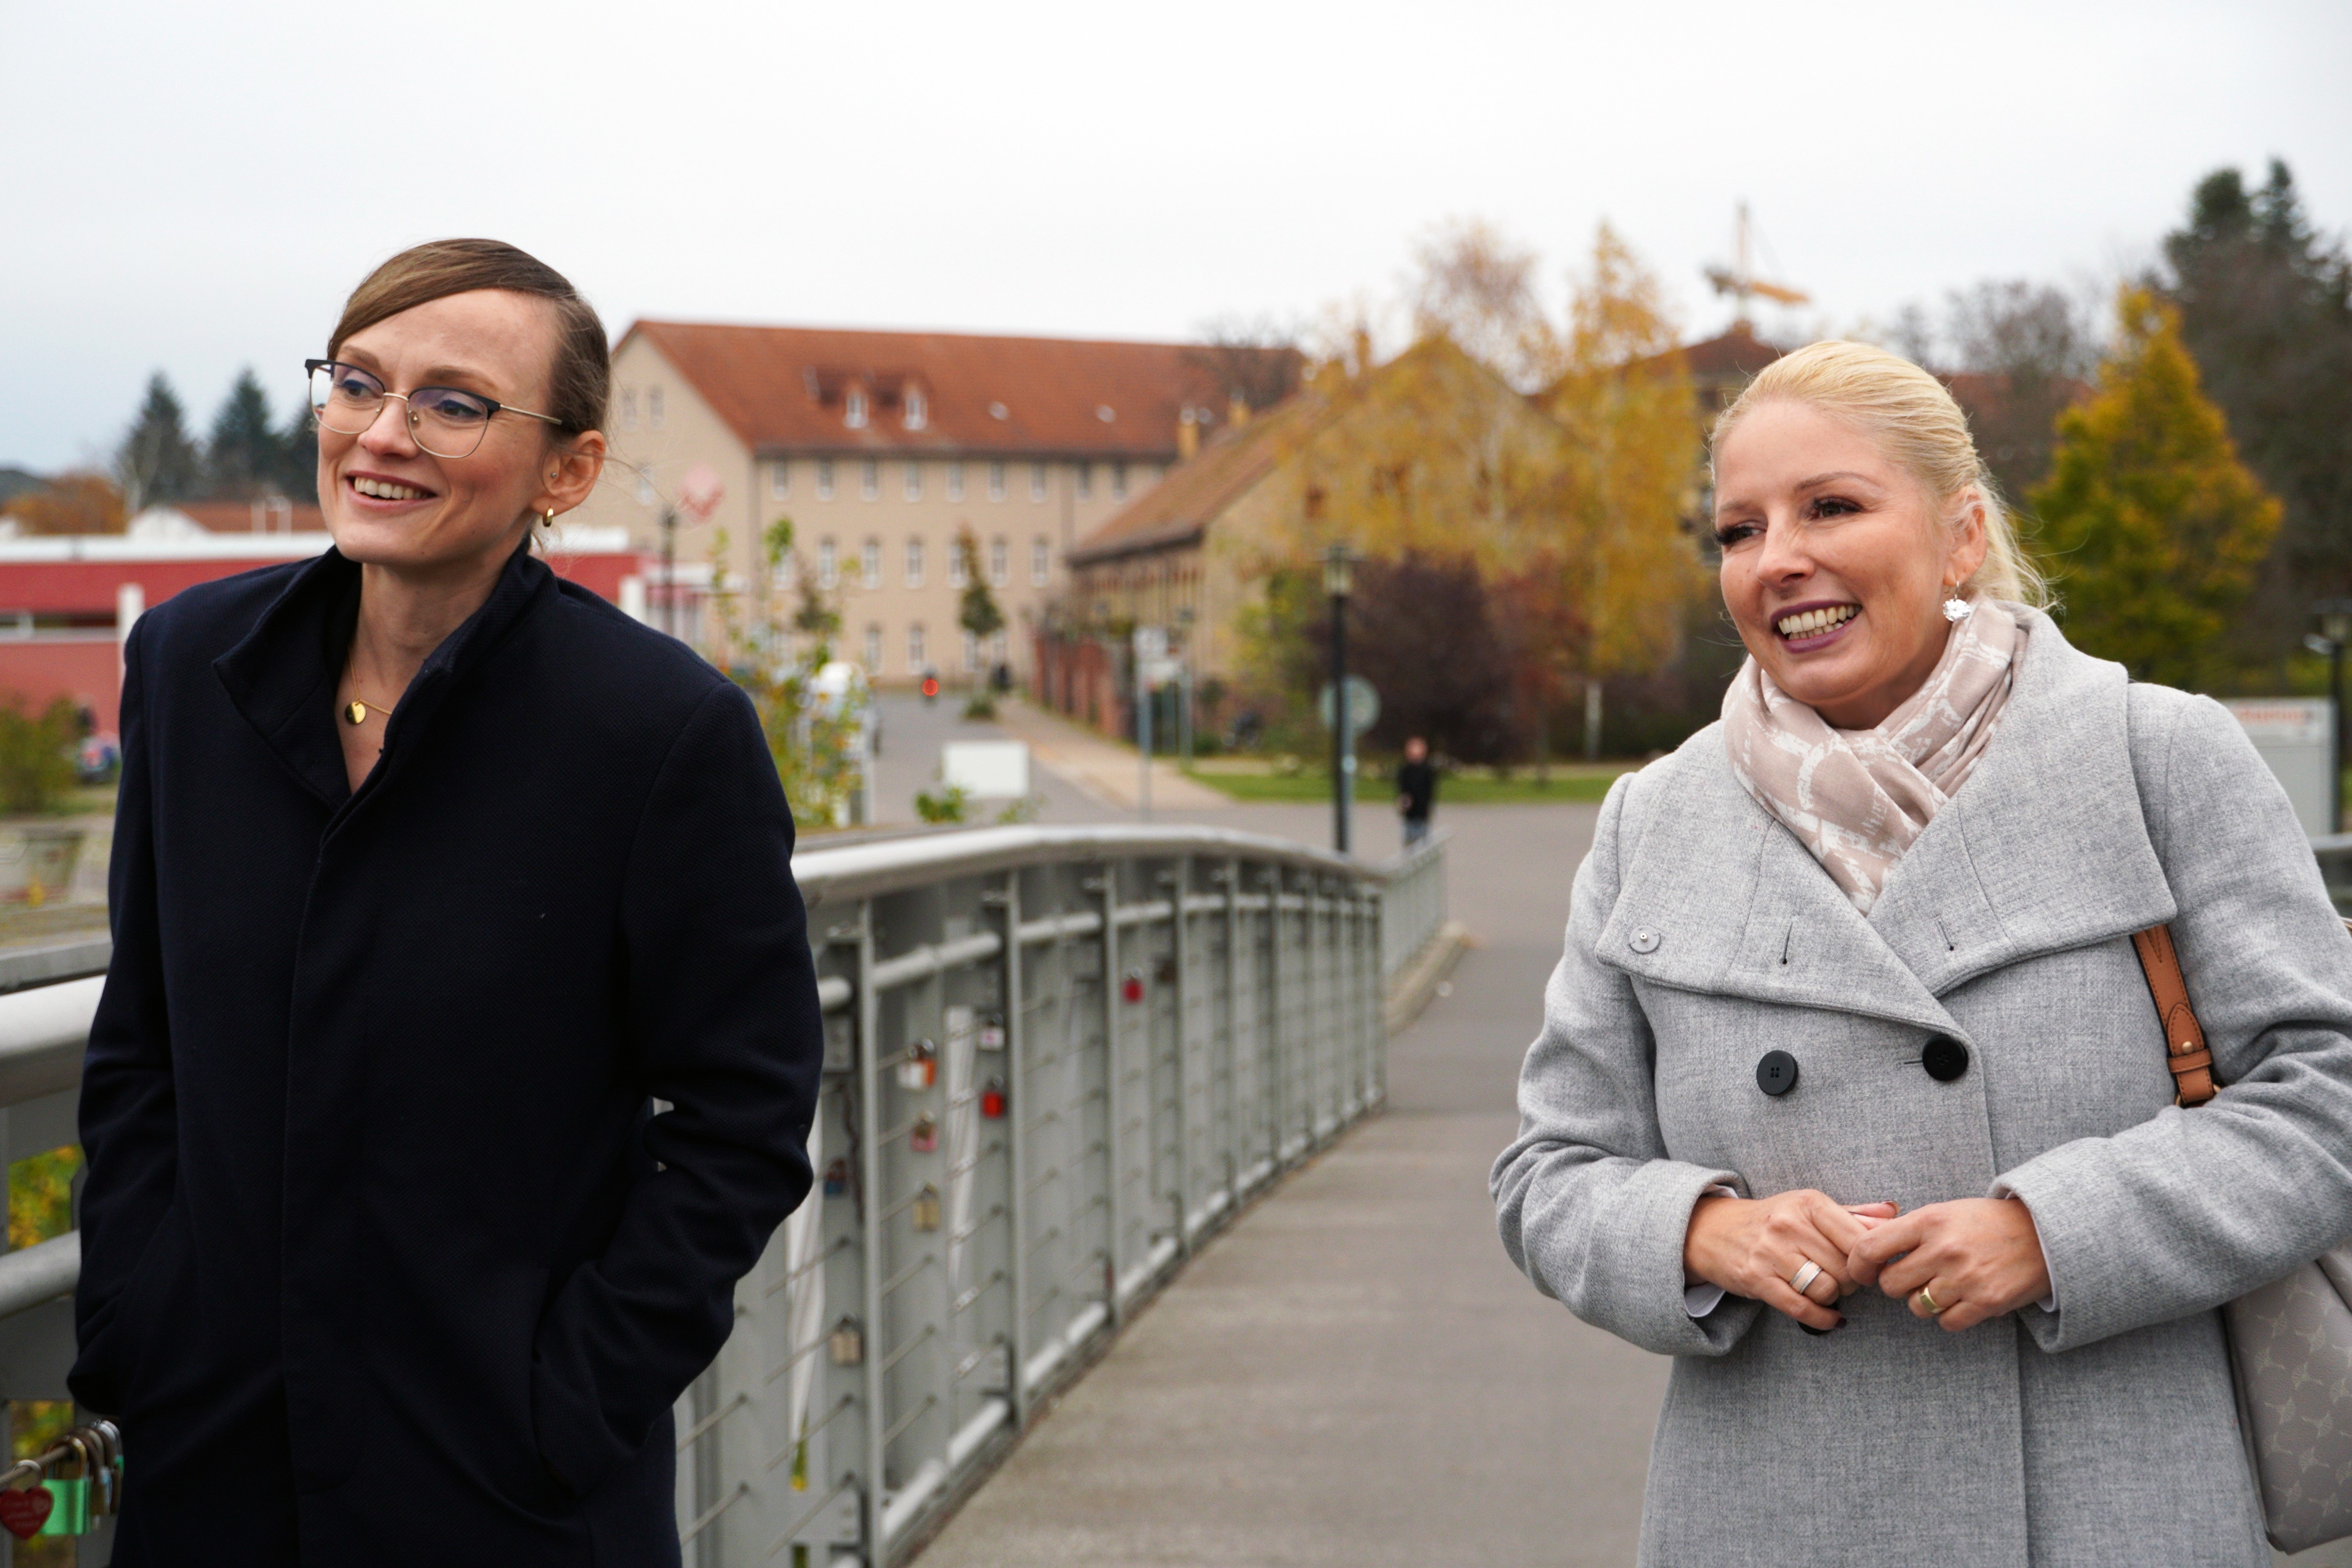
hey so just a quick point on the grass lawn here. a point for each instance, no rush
(1578, 782)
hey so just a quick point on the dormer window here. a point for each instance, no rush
(919, 409)
(853, 408)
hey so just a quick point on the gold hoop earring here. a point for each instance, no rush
(549, 521)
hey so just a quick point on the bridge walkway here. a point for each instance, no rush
(1354, 1373)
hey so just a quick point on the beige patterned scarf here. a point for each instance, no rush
(1857, 798)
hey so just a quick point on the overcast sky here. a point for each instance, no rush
(193, 188)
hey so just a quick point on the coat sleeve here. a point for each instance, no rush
(1591, 1207)
(724, 1016)
(129, 1106)
(2196, 1206)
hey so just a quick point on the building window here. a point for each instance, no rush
(828, 575)
(996, 480)
(852, 409)
(919, 409)
(915, 561)
(915, 648)
(645, 486)
(999, 562)
(628, 408)
(873, 650)
(1083, 475)
(1119, 481)
(788, 570)
(997, 647)
(955, 481)
(914, 480)
(871, 564)
(869, 479)
(971, 653)
(780, 480)
(653, 408)
(825, 478)
(1036, 481)
(1041, 561)
(957, 576)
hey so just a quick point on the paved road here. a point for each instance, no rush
(1354, 1373)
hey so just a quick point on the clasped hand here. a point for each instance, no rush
(1975, 1257)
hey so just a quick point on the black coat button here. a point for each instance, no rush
(1777, 1074)
(1944, 1058)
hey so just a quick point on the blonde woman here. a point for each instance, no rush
(1851, 1096)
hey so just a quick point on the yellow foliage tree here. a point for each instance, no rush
(2152, 526)
(1619, 565)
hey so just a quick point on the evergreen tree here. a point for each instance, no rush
(156, 462)
(2266, 308)
(297, 457)
(245, 457)
(2154, 528)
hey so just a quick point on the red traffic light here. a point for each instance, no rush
(930, 685)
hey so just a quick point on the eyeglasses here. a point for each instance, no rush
(443, 421)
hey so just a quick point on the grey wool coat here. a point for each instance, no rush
(1702, 935)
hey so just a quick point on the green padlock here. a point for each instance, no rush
(70, 1516)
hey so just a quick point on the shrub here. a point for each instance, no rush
(35, 754)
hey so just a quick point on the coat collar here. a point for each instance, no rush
(2045, 849)
(281, 675)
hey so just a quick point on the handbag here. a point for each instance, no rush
(2290, 1340)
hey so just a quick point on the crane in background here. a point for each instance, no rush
(1739, 279)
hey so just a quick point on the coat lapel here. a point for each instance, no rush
(281, 675)
(2045, 849)
(1719, 898)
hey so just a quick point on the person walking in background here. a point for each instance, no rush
(432, 873)
(1851, 1096)
(1416, 789)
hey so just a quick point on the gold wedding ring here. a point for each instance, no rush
(1804, 1276)
(1934, 1309)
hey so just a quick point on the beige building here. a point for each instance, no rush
(1400, 459)
(881, 446)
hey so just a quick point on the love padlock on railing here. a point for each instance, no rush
(37, 1498)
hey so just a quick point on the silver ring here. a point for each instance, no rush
(1804, 1276)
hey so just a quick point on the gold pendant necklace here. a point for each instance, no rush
(355, 711)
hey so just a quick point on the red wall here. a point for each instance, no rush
(86, 665)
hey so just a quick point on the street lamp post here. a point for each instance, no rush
(2334, 617)
(1337, 581)
(669, 569)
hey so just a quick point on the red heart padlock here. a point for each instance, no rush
(24, 1513)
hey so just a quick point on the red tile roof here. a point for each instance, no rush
(251, 516)
(1180, 507)
(785, 389)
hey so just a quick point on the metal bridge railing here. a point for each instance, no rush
(1056, 1060)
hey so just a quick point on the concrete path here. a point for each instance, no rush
(1111, 773)
(1354, 1373)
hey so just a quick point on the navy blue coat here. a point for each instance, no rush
(386, 1258)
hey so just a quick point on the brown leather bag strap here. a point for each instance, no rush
(2184, 1038)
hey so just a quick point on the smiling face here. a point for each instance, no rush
(1835, 562)
(390, 504)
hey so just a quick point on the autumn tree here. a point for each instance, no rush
(1625, 480)
(2153, 526)
(157, 462)
(78, 503)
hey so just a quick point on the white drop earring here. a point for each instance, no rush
(1956, 608)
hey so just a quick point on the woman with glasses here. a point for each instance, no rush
(461, 1040)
